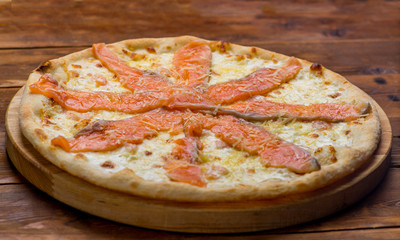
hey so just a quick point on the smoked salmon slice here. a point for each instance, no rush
(81, 101)
(191, 65)
(182, 171)
(106, 135)
(187, 148)
(330, 112)
(88, 101)
(274, 151)
(130, 77)
(137, 80)
(259, 82)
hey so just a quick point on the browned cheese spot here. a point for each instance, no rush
(80, 156)
(254, 51)
(316, 68)
(44, 67)
(332, 150)
(125, 51)
(318, 150)
(46, 120)
(82, 123)
(137, 57)
(314, 135)
(224, 47)
(151, 50)
(108, 164)
(220, 46)
(335, 95)
(75, 74)
(41, 134)
(240, 57)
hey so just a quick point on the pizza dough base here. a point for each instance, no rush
(365, 139)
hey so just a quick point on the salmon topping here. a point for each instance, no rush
(331, 112)
(81, 101)
(257, 83)
(214, 172)
(192, 65)
(187, 149)
(104, 135)
(273, 150)
(131, 78)
(189, 105)
(88, 101)
(185, 172)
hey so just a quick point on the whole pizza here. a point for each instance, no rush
(188, 119)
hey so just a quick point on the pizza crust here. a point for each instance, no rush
(364, 134)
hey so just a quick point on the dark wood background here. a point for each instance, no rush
(358, 39)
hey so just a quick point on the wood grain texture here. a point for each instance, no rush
(359, 39)
(353, 57)
(55, 23)
(26, 210)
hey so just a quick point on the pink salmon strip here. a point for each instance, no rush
(330, 112)
(257, 83)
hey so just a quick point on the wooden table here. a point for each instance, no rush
(359, 39)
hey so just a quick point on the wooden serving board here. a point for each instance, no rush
(193, 217)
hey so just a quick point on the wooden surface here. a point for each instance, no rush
(235, 217)
(359, 39)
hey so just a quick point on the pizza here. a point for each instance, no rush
(188, 119)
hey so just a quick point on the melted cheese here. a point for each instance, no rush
(227, 67)
(243, 169)
(306, 88)
(147, 160)
(82, 76)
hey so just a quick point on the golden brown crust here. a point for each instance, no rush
(342, 160)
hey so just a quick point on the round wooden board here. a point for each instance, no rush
(193, 217)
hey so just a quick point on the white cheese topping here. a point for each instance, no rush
(146, 159)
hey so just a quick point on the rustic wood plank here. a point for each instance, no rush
(55, 23)
(377, 83)
(350, 57)
(385, 89)
(25, 210)
(396, 152)
(359, 39)
(6, 94)
(8, 173)
(366, 234)
(353, 57)
(372, 212)
(17, 64)
(12, 83)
